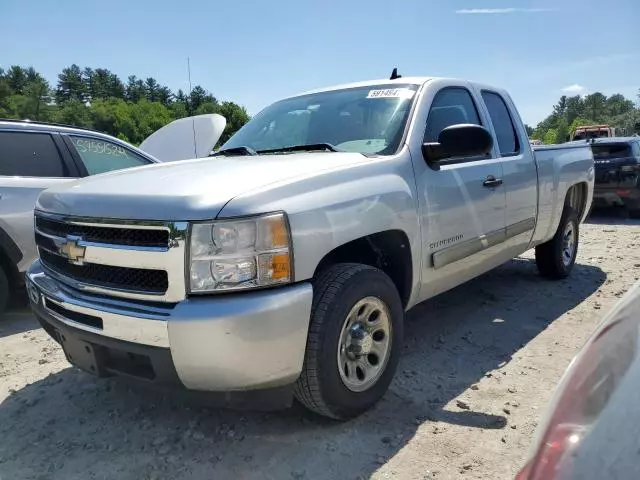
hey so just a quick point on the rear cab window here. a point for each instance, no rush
(100, 156)
(30, 154)
(508, 141)
(607, 151)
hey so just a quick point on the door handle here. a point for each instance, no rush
(492, 182)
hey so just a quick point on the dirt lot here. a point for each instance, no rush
(479, 366)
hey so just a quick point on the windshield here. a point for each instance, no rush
(368, 120)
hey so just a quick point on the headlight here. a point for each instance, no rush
(240, 254)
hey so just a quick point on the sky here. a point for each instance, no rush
(256, 52)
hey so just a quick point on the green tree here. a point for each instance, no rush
(38, 95)
(618, 105)
(135, 90)
(73, 112)
(561, 130)
(17, 79)
(97, 98)
(550, 136)
(148, 117)
(207, 107)
(165, 96)
(152, 89)
(197, 97)
(71, 85)
(615, 111)
(5, 93)
(178, 110)
(101, 83)
(575, 108)
(529, 129)
(114, 116)
(627, 123)
(595, 105)
(560, 108)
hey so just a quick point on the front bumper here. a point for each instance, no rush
(245, 341)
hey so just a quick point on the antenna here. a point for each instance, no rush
(394, 74)
(193, 122)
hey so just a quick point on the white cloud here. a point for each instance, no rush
(574, 89)
(503, 10)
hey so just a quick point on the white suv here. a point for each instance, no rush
(33, 157)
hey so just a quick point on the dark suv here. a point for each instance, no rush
(617, 164)
(33, 157)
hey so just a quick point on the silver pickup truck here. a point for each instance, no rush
(283, 266)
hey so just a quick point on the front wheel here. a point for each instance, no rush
(354, 341)
(555, 258)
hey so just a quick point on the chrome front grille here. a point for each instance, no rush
(107, 235)
(134, 279)
(138, 260)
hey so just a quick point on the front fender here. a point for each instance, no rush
(328, 210)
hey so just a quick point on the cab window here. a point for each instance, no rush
(451, 106)
(502, 124)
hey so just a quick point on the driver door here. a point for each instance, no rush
(461, 200)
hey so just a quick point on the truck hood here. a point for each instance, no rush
(187, 190)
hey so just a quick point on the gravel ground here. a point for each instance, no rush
(479, 365)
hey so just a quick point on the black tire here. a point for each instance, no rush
(336, 291)
(588, 215)
(549, 255)
(4, 290)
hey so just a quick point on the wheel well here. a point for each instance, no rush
(577, 198)
(389, 251)
(10, 269)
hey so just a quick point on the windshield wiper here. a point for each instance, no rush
(312, 147)
(235, 151)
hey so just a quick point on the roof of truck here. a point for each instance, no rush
(370, 83)
(400, 81)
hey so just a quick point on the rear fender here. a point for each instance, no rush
(559, 170)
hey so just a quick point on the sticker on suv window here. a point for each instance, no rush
(391, 93)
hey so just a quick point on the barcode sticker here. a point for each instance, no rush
(391, 93)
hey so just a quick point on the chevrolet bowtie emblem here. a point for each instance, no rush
(73, 251)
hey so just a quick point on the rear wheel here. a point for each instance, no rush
(555, 258)
(354, 341)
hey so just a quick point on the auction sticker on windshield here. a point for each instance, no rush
(391, 93)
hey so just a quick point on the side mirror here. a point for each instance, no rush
(463, 140)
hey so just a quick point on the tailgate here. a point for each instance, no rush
(615, 165)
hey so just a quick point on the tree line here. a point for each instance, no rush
(100, 100)
(594, 109)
